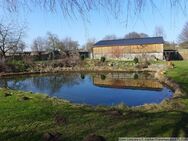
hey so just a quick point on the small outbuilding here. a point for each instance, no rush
(84, 53)
(172, 54)
(141, 48)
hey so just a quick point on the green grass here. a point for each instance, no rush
(121, 64)
(180, 74)
(28, 120)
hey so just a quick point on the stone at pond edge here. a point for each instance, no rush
(178, 93)
(170, 65)
(7, 94)
(59, 119)
(93, 137)
(114, 113)
(52, 137)
(25, 98)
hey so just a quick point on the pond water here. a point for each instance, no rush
(132, 89)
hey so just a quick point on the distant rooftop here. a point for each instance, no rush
(135, 41)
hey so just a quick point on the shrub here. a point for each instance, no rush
(17, 66)
(103, 77)
(136, 60)
(82, 76)
(142, 65)
(82, 57)
(147, 62)
(65, 62)
(135, 76)
(103, 59)
(170, 64)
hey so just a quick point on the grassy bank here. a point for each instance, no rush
(87, 65)
(30, 119)
(180, 74)
(27, 116)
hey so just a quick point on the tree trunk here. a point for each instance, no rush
(3, 56)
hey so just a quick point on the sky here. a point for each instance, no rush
(99, 24)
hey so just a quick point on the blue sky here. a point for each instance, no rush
(99, 24)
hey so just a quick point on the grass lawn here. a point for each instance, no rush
(180, 74)
(23, 119)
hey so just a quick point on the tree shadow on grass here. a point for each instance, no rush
(173, 124)
(11, 135)
(151, 124)
(133, 123)
(181, 125)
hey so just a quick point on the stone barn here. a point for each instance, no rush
(141, 48)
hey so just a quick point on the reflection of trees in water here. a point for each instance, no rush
(3, 83)
(11, 82)
(50, 83)
(55, 82)
(14, 82)
(82, 76)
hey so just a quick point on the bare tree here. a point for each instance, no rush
(21, 46)
(69, 44)
(69, 8)
(143, 35)
(61, 46)
(89, 44)
(82, 7)
(133, 35)
(184, 45)
(159, 32)
(18, 49)
(10, 38)
(169, 45)
(183, 37)
(39, 44)
(110, 37)
(52, 41)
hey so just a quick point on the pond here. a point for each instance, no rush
(132, 89)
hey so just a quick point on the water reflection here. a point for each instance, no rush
(50, 83)
(95, 89)
(55, 82)
(125, 80)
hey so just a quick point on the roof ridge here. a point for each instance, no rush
(130, 38)
(145, 40)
